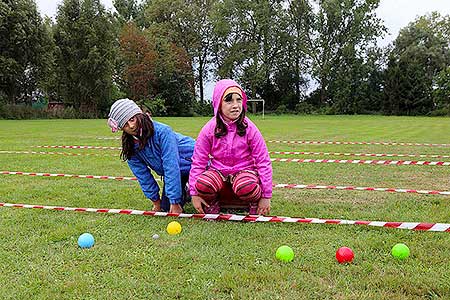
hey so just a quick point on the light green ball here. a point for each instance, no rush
(400, 251)
(285, 253)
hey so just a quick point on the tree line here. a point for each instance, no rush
(301, 56)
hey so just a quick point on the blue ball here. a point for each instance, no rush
(86, 240)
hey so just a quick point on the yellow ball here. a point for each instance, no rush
(173, 228)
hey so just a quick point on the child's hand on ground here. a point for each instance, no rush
(176, 209)
(198, 203)
(156, 205)
(264, 206)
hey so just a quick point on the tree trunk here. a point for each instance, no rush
(11, 93)
(297, 78)
(200, 78)
(323, 91)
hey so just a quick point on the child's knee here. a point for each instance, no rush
(209, 184)
(246, 186)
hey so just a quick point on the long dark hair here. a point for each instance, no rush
(221, 128)
(146, 131)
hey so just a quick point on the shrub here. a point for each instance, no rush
(304, 108)
(440, 112)
(282, 109)
(202, 108)
(156, 106)
(20, 112)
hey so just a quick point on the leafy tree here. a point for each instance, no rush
(127, 10)
(187, 24)
(175, 80)
(228, 46)
(441, 93)
(140, 63)
(337, 33)
(47, 80)
(156, 69)
(291, 66)
(357, 86)
(248, 43)
(23, 44)
(420, 52)
(84, 37)
(274, 46)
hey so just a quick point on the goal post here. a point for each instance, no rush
(253, 102)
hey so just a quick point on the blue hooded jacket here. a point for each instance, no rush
(169, 154)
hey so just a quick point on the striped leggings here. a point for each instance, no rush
(245, 185)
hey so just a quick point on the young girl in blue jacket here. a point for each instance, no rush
(147, 144)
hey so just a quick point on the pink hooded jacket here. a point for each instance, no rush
(231, 153)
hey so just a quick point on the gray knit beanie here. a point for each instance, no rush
(121, 111)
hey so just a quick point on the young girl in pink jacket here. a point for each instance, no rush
(230, 165)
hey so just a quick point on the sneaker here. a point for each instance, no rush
(236, 211)
(214, 208)
(253, 208)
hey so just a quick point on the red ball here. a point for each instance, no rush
(344, 255)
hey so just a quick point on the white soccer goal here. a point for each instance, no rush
(254, 102)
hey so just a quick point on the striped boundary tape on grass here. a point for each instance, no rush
(335, 142)
(358, 143)
(68, 175)
(280, 185)
(56, 153)
(366, 162)
(359, 154)
(271, 152)
(79, 147)
(436, 227)
(297, 160)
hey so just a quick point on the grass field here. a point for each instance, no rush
(225, 260)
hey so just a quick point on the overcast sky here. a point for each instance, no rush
(399, 13)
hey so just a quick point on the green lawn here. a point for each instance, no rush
(225, 260)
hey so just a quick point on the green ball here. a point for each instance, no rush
(285, 253)
(400, 251)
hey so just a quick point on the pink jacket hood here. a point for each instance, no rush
(219, 90)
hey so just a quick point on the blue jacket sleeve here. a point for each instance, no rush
(145, 178)
(171, 165)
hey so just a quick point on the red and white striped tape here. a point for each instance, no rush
(437, 227)
(358, 143)
(280, 185)
(79, 147)
(68, 175)
(359, 154)
(360, 188)
(373, 162)
(270, 152)
(366, 162)
(108, 138)
(335, 142)
(56, 153)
